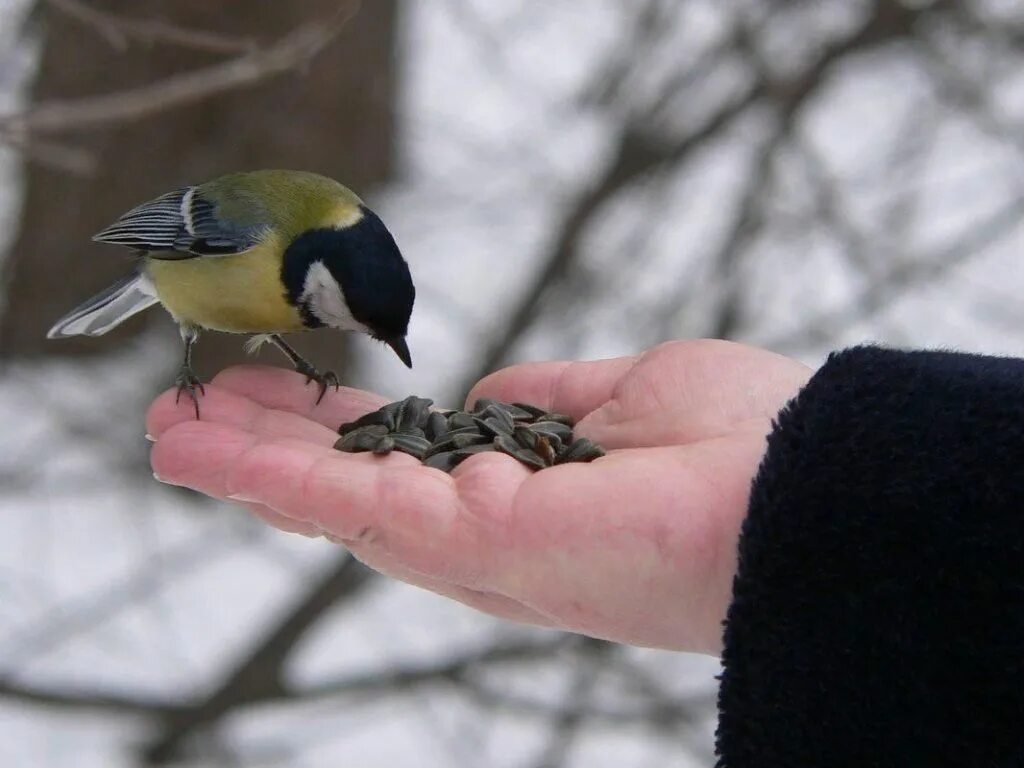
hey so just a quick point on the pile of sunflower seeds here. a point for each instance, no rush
(444, 439)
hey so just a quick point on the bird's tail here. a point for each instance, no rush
(106, 309)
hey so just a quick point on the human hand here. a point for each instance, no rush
(638, 547)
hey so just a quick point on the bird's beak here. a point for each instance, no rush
(398, 344)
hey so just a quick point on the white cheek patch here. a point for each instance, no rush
(322, 294)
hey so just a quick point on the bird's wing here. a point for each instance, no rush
(182, 224)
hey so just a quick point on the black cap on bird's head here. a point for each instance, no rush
(352, 278)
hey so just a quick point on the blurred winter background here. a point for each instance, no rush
(566, 179)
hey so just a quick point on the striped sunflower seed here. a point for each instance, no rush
(443, 439)
(581, 449)
(506, 444)
(414, 413)
(414, 445)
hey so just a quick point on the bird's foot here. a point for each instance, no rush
(187, 381)
(325, 379)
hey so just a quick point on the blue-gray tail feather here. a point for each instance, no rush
(106, 309)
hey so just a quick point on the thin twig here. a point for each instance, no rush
(259, 676)
(119, 31)
(638, 155)
(291, 52)
(51, 154)
(911, 274)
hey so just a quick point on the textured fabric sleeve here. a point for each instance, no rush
(878, 607)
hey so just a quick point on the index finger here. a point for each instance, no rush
(284, 390)
(574, 388)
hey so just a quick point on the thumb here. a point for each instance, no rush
(574, 388)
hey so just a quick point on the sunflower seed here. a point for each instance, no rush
(357, 442)
(461, 420)
(371, 419)
(546, 450)
(449, 460)
(446, 461)
(384, 445)
(377, 430)
(392, 413)
(553, 429)
(494, 426)
(472, 450)
(560, 418)
(532, 411)
(484, 403)
(581, 449)
(506, 444)
(442, 439)
(411, 444)
(436, 425)
(499, 415)
(457, 441)
(516, 413)
(526, 437)
(474, 430)
(414, 412)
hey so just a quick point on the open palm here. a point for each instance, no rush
(637, 547)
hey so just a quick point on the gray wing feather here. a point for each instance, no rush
(106, 309)
(179, 225)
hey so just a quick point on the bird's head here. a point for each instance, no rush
(353, 278)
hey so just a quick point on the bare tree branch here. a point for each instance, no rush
(905, 276)
(638, 154)
(456, 670)
(55, 155)
(292, 51)
(67, 697)
(119, 31)
(258, 677)
(566, 726)
(375, 683)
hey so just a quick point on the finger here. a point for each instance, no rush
(223, 406)
(200, 455)
(573, 388)
(285, 390)
(413, 513)
(686, 391)
(487, 602)
(448, 527)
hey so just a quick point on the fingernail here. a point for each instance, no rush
(243, 498)
(159, 479)
(150, 437)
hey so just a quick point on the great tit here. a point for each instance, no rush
(263, 253)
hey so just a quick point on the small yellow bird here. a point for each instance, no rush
(264, 253)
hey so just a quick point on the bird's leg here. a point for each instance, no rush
(187, 380)
(303, 366)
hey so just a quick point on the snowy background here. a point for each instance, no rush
(577, 179)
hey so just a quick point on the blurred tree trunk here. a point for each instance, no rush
(336, 119)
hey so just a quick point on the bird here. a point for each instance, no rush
(262, 253)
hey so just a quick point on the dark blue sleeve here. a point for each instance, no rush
(878, 608)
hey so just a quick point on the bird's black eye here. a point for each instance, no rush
(369, 268)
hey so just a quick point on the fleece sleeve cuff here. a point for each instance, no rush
(878, 607)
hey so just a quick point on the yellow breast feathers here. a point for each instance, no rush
(242, 293)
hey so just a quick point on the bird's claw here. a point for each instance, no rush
(325, 379)
(187, 381)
